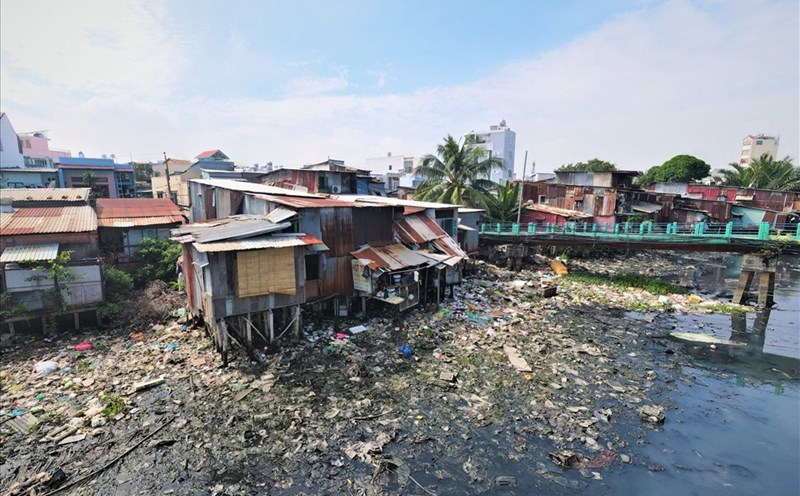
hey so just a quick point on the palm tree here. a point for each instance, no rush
(763, 173)
(458, 175)
(504, 206)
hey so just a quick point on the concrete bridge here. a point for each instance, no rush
(699, 236)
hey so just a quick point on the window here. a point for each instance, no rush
(759, 142)
(390, 167)
(312, 267)
(543, 199)
(322, 185)
(578, 204)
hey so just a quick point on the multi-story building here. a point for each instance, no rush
(753, 146)
(37, 151)
(10, 146)
(112, 180)
(17, 170)
(499, 141)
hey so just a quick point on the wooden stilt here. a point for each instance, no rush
(76, 317)
(364, 307)
(248, 333)
(298, 327)
(766, 289)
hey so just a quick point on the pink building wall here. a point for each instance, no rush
(39, 147)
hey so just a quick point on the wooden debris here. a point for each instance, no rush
(516, 359)
(72, 439)
(141, 386)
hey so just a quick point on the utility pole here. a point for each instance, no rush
(522, 186)
(169, 185)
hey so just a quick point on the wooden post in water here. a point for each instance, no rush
(765, 268)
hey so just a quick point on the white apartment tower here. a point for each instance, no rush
(501, 142)
(753, 146)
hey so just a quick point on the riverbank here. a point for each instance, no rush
(504, 391)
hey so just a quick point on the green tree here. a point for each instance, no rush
(678, 169)
(59, 271)
(593, 165)
(157, 259)
(504, 206)
(119, 286)
(458, 174)
(765, 173)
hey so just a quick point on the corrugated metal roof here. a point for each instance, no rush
(395, 201)
(449, 246)
(646, 207)
(46, 194)
(108, 208)
(318, 202)
(281, 214)
(417, 229)
(139, 221)
(561, 212)
(259, 243)
(48, 220)
(238, 227)
(19, 253)
(391, 257)
(421, 229)
(252, 187)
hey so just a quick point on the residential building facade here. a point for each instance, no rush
(10, 145)
(499, 141)
(753, 146)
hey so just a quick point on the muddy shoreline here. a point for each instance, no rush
(353, 416)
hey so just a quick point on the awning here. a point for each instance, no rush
(647, 208)
(22, 253)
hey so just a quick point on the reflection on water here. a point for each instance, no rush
(772, 335)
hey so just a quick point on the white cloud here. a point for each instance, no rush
(681, 77)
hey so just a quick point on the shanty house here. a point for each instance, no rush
(49, 215)
(124, 222)
(245, 278)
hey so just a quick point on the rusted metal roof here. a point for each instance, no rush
(48, 220)
(110, 208)
(46, 194)
(246, 187)
(139, 221)
(391, 257)
(395, 201)
(561, 212)
(421, 229)
(260, 243)
(20, 253)
(448, 245)
(303, 202)
(417, 229)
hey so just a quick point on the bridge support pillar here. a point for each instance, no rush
(753, 265)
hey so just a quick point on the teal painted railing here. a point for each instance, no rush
(651, 230)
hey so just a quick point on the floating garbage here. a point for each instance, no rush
(84, 347)
(406, 351)
(46, 367)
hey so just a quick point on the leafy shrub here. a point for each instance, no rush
(157, 259)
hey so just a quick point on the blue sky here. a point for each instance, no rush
(633, 82)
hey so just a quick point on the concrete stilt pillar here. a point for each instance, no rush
(752, 265)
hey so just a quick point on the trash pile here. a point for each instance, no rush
(426, 402)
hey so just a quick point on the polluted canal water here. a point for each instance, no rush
(734, 425)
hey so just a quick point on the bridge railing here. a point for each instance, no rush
(642, 230)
